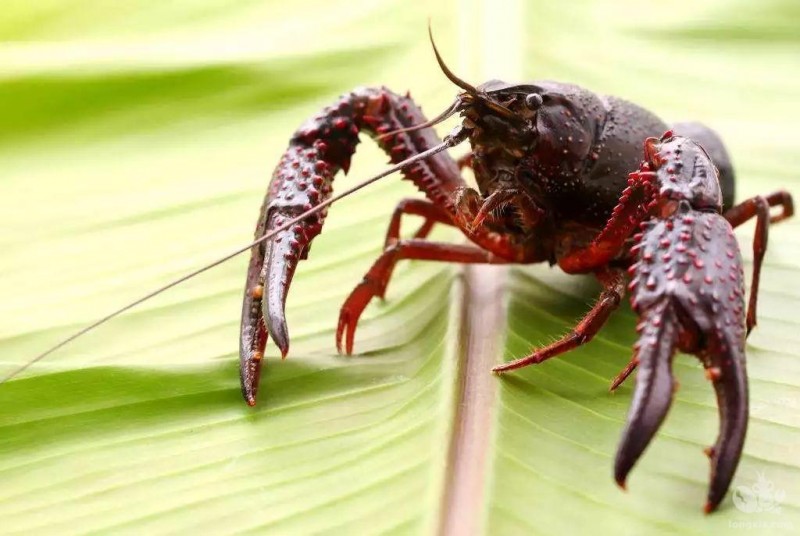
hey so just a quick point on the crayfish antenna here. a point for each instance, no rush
(466, 86)
(655, 386)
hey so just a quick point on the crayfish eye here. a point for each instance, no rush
(533, 101)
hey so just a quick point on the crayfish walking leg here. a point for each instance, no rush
(634, 205)
(614, 289)
(493, 248)
(759, 207)
(377, 278)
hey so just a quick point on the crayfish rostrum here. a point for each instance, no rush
(592, 183)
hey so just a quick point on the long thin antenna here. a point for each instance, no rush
(453, 108)
(472, 90)
(454, 138)
(469, 88)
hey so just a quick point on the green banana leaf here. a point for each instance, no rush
(136, 142)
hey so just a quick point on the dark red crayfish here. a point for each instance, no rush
(552, 163)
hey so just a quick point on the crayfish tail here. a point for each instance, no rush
(655, 386)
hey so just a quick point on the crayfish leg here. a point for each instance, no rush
(623, 374)
(758, 207)
(377, 278)
(613, 291)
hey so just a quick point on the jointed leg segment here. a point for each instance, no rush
(592, 322)
(759, 207)
(377, 278)
(432, 213)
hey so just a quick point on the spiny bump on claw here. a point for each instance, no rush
(257, 292)
(713, 373)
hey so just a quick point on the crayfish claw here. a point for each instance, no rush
(692, 301)
(303, 180)
(279, 265)
(279, 331)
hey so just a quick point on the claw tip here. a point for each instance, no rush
(709, 507)
(251, 400)
(275, 319)
(622, 484)
(280, 335)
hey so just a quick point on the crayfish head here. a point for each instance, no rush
(502, 116)
(501, 121)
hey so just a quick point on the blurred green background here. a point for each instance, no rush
(136, 142)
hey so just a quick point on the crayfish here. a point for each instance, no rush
(561, 179)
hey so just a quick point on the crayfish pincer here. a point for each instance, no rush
(552, 163)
